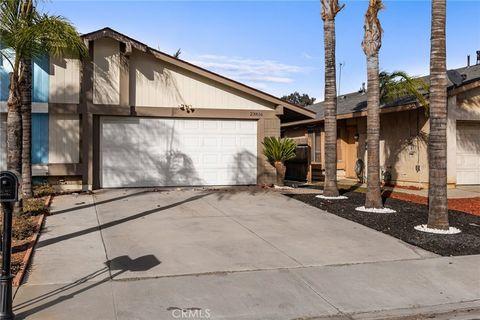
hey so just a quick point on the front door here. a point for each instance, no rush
(351, 152)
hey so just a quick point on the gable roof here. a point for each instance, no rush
(132, 43)
(357, 101)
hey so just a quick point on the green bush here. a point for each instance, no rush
(279, 149)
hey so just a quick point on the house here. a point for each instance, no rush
(132, 116)
(403, 135)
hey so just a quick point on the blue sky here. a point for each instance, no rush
(277, 46)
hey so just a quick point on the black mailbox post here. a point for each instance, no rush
(9, 194)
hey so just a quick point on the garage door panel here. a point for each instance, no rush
(113, 178)
(468, 153)
(177, 152)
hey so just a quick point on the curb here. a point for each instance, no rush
(17, 280)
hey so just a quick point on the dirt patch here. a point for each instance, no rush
(468, 205)
(401, 224)
(25, 229)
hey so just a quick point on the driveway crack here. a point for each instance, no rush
(106, 257)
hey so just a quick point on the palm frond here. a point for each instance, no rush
(57, 36)
(31, 34)
(279, 149)
(399, 85)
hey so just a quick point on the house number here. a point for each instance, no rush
(256, 114)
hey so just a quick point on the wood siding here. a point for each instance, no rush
(40, 80)
(154, 83)
(64, 80)
(63, 138)
(39, 138)
(106, 74)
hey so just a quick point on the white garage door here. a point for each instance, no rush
(468, 153)
(146, 152)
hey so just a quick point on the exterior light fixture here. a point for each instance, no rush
(356, 137)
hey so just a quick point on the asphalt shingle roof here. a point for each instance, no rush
(357, 101)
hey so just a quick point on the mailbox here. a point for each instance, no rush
(9, 185)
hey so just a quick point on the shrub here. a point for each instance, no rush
(279, 149)
(43, 190)
(22, 228)
(34, 206)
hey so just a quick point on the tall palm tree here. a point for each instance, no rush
(437, 142)
(330, 8)
(371, 44)
(29, 34)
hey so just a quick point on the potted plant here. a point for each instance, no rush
(277, 151)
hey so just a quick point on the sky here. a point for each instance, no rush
(277, 46)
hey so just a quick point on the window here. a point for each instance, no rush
(316, 146)
(317, 149)
(339, 147)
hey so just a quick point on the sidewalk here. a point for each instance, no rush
(363, 291)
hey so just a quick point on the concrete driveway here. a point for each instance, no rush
(154, 254)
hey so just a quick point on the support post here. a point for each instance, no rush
(6, 278)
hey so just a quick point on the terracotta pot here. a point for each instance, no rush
(281, 169)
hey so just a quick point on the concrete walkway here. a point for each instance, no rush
(241, 254)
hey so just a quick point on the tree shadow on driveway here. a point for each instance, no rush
(113, 268)
(110, 224)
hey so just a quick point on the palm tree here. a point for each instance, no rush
(437, 142)
(371, 44)
(29, 34)
(277, 151)
(398, 85)
(330, 8)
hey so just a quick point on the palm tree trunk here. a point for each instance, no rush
(26, 93)
(329, 10)
(371, 44)
(374, 197)
(437, 142)
(14, 128)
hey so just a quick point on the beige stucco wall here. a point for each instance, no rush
(154, 83)
(106, 71)
(463, 107)
(403, 146)
(267, 127)
(63, 138)
(64, 80)
(297, 134)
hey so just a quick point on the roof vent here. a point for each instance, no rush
(464, 77)
(478, 56)
(468, 61)
(362, 89)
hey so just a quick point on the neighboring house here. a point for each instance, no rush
(133, 116)
(403, 136)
